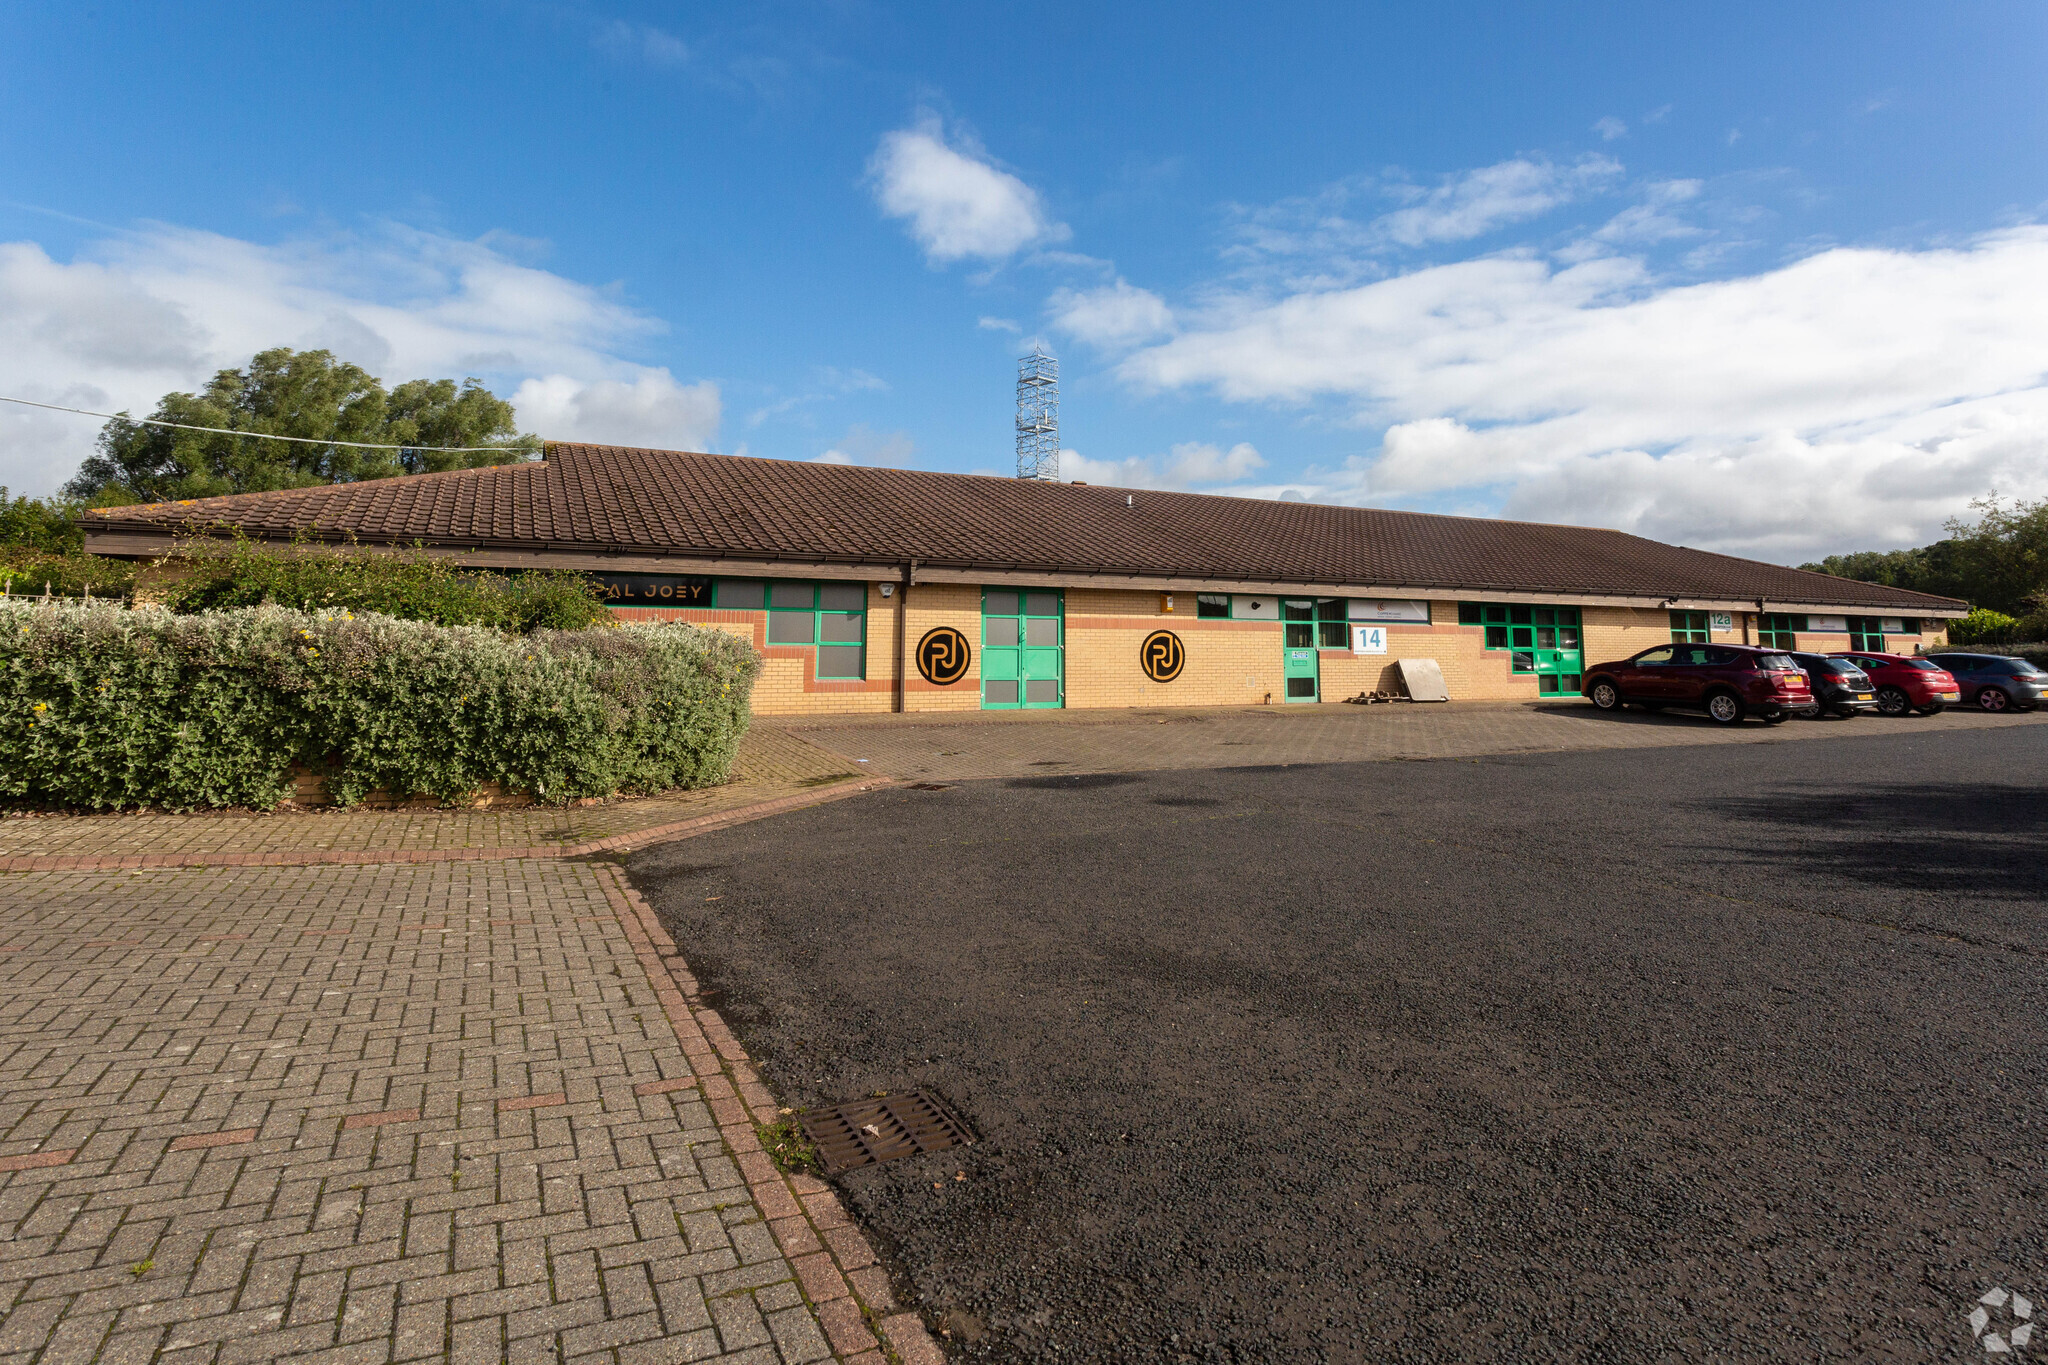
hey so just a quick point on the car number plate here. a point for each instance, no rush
(1866, 696)
(1951, 696)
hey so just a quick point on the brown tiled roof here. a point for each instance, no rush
(609, 499)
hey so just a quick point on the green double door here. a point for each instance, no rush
(1023, 649)
(1551, 647)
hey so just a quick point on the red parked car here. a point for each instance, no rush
(1907, 684)
(1727, 682)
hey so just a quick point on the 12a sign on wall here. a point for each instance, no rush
(1368, 639)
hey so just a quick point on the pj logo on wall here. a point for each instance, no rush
(1162, 656)
(943, 656)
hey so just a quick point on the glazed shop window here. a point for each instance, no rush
(1866, 632)
(1690, 627)
(1778, 631)
(1526, 630)
(1318, 621)
(831, 616)
(1211, 604)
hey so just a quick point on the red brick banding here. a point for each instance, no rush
(35, 1161)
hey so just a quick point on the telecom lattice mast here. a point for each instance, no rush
(1038, 417)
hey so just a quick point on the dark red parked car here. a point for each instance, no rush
(1727, 682)
(1907, 684)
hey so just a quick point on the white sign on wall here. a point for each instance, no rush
(1720, 621)
(1827, 625)
(1368, 639)
(1372, 609)
(1255, 608)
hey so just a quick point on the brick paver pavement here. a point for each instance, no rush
(949, 747)
(393, 1112)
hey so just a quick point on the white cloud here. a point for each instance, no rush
(1474, 203)
(641, 42)
(956, 203)
(889, 449)
(988, 324)
(1344, 233)
(143, 313)
(1610, 128)
(1114, 315)
(1188, 464)
(651, 409)
(1858, 396)
(1200, 462)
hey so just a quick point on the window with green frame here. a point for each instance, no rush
(1690, 628)
(1212, 605)
(1866, 633)
(1318, 621)
(1775, 630)
(832, 617)
(1524, 630)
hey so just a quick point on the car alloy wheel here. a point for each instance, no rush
(1893, 702)
(1606, 695)
(1724, 708)
(1994, 699)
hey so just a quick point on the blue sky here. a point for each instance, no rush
(1766, 282)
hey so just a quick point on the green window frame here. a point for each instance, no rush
(829, 617)
(1524, 630)
(1212, 606)
(1321, 622)
(1867, 634)
(1776, 630)
(1690, 628)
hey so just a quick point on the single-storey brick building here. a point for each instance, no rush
(887, 589)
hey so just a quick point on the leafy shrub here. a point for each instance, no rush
(31, 573)
(103, 706)
(1983, 626)
(210, 575)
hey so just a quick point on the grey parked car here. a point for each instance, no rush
(1996, 682)
(1841, 688)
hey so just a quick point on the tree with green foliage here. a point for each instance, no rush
(306, 394)
(1999, 560)
(38, 526)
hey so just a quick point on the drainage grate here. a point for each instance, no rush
(883, 1128)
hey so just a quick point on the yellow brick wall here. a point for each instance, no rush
(1229, 663)
(932, 605)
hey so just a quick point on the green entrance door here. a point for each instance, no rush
(1559, 656)
(1298, 647)
(1023, 649)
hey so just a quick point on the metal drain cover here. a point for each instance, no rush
(882, 1128)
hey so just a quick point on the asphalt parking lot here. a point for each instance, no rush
(1725, 1052)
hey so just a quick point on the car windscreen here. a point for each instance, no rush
(1924, 665)
(2021, 668)
(1777, 663)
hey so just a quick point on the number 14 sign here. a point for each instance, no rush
(1368, 639)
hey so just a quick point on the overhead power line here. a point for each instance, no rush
(259, 435)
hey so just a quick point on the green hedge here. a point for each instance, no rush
(213, 575)
(105, 707)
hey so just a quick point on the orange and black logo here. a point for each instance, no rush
(943, 656)
(1162, 655)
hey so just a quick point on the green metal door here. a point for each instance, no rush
(1023, 649)
(1559, 655)
(1298, 647)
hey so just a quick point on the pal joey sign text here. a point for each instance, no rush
(654, 589)
(1161, 656)
(943, 656)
